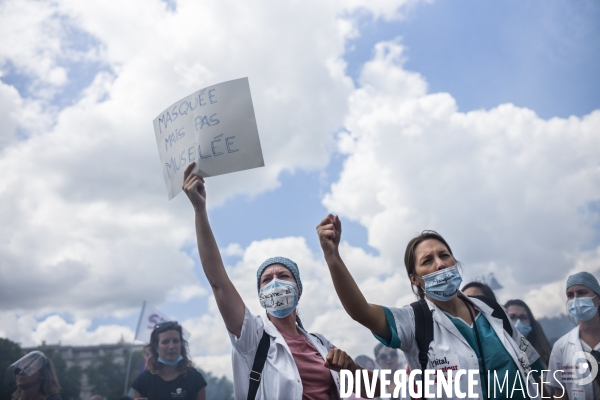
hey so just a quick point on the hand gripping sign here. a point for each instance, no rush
(215, 127)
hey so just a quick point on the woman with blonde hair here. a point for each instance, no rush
(35, 378)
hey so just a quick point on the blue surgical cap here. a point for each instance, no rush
(286, 262)
(584, 279)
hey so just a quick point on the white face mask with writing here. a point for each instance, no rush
(442, 285)
(278, 297)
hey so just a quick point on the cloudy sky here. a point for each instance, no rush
(479, 120)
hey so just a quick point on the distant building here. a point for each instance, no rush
(85, 356)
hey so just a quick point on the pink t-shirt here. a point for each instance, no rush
(317, 381)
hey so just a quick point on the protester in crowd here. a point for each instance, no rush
(365, 362)
(465, 334)
(387, 359)
(35, 378)
(523, 319)
(168, 367)
(479, 289)
(567, 363)
(297, 365)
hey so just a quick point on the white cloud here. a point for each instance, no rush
(54, 329)
(86, 224)
(511, 192)
(185, 293)
(32, 36)
(233, 250)
(87, 230)
(217, 365)
(10, 102)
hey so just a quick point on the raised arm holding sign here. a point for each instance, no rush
(214, 127)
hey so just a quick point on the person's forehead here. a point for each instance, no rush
(428, 246)
(276, 269)
(170, 334)
(475, 290)
(577, 288)
(515, 309)
(387, 350)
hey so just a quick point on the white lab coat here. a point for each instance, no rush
(565, 368)
(450, 350)
(280, 377)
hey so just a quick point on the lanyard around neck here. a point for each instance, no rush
(476, 336)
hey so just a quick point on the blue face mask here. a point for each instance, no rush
(582, 308)
(442, 285)
(523, 328)
(278, 297)
(170, 363)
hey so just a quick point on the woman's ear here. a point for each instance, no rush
(414, 280)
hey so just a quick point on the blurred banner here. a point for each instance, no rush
(149, 318)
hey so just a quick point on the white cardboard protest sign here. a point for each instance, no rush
(215, 127)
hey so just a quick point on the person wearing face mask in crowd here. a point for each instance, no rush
(34, 377)
(295, 365)
(387, 358)
(575, 357)
(522, 317)
(478, 289)
(465, 334)
(169, 373)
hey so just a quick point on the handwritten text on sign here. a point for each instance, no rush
(215, 127)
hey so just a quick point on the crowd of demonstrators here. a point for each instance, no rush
(273, 357)
(575, 355)
(33, 378)
(168, 368)
(466, 334)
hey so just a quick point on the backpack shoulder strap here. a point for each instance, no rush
(423, 329)
(497, 313)
(259, 363)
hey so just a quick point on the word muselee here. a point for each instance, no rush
(438, 383)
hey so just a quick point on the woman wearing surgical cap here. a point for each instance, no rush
(575, 357)
(298, 365)
(523, 319)
(34, 377)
